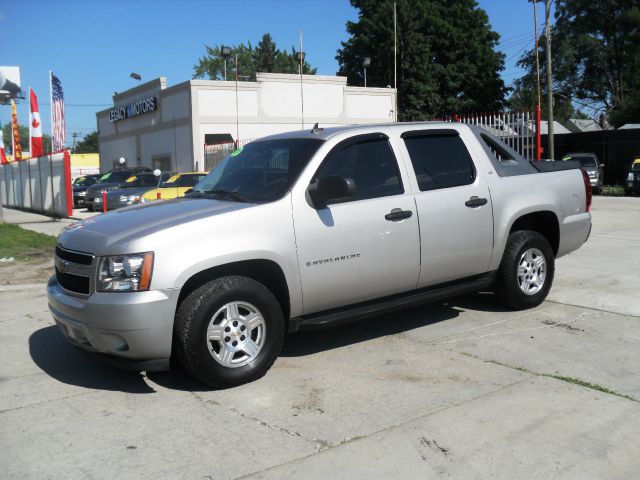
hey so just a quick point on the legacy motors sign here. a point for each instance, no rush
(134, 109)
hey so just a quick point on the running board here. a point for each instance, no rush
(374, 308)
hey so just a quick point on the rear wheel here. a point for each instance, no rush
(229, 331)
(526, 271)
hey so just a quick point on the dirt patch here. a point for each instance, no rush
(37, 269)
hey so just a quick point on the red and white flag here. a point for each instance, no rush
(3, 155)
(35, 127)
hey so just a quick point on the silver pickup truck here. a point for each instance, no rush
(309, 229)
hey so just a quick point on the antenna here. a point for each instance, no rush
(301, 56)
(237, 110)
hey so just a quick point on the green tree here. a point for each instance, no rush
(446, 58)
(266, 57)
(23, 131)
(89, 144)
(595, 57)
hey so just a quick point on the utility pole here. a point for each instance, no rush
(74, 135)
(549, 80)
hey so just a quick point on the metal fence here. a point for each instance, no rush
(516, 129)
(215, 154)
(41, 185)
(616, 149)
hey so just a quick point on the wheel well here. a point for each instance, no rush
(545, 223)
(266, 272)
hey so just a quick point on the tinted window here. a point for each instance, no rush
(585, 161)
(370, 163)
(440, 161)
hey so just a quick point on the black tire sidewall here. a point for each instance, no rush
(508, 287)
(195, 314)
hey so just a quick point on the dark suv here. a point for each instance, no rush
(109, 181)
(632, 182)
(80, 186)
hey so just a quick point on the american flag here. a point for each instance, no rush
(57, 115)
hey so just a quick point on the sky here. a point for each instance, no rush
(92, 46)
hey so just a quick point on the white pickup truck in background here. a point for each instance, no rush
(314, 228)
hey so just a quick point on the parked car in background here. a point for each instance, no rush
(129, 192)
(80, 186)
(175, 187)
(109, 181)
(632, 182)
(594, 168)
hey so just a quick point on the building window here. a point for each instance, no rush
(162, 163)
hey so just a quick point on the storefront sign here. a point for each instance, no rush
(134, 109)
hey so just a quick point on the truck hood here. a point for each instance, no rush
(111, 233)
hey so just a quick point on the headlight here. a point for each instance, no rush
(125, 273)
(630, 177)
(82, 194)
(143, 200)
(129, 198)
(593, 174)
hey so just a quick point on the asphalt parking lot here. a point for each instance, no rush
(463, 389)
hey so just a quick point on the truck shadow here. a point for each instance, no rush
(63, 362)
(314, 341)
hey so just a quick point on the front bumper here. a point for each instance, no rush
(133, 328)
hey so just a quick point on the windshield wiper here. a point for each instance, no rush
(227, 194)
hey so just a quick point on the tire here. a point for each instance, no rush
(231, 358)
(597, 190)
(510, 284)
(89, 208)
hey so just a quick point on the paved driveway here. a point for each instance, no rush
(463, 389)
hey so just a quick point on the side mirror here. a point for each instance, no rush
(330, 188)
(602, 165)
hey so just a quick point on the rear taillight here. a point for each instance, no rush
(588, 191)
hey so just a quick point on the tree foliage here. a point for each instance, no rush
(23, 131)
(89, 144)
(595, 46)
(446, 58)
(265, 57)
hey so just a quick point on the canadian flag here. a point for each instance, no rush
(35, 127)
(3, 155)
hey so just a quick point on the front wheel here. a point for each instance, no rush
(526, 271)
(229, 331)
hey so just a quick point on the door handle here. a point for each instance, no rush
(474, 202)
(398, 214)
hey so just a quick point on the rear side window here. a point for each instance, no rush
(371, 164)
(440, 161)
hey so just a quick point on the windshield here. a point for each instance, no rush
(584, 160)
(85, 181)
(636, 166)
(183, 181)
(144, 180)
(115, 177)
(261, 172)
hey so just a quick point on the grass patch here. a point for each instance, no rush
(562, 378)
(24, 245)
(613, 190)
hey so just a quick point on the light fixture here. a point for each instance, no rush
(136, 76)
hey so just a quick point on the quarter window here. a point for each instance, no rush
(440, 161)
(370, 163)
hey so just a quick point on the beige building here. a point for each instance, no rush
(181, 127)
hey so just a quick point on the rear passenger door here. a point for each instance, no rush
(454, 207)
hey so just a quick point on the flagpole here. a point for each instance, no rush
(51, 111)
(30, 126)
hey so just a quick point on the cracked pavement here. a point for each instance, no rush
(454, 389)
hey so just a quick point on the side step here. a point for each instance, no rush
(373, 308)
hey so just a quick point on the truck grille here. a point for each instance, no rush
(73, 283)
(74, 257)
(74, 270)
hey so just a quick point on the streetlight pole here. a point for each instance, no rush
(225, 52)
(549, 79)
(366, 61)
